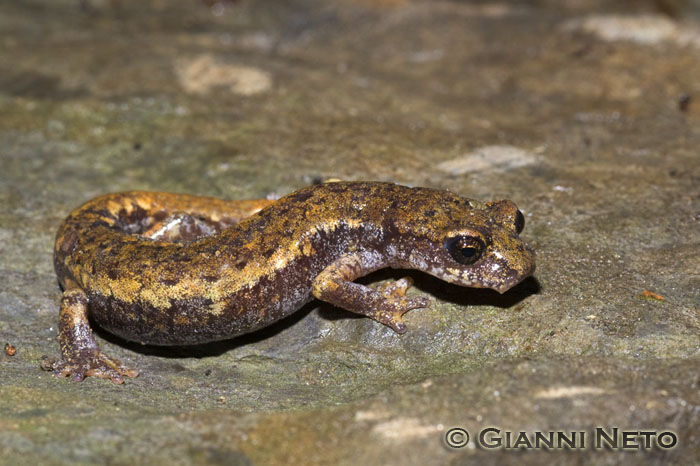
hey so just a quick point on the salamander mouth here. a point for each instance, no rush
(513, 278)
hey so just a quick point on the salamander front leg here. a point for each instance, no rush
(81, 355)
(386, 305)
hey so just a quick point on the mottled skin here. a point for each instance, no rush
(169, 269)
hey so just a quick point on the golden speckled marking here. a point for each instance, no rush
(168, 269)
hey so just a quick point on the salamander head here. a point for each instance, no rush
(474, 244)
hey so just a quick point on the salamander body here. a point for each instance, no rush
(173, 269)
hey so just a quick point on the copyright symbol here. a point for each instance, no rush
(457, 437)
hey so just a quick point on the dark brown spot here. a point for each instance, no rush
(69, 241)
(97, 223)
(133, 222)
(169, 281)
(300, 196)
(210, 278)
(159, 216)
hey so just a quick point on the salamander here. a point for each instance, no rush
(176, 269)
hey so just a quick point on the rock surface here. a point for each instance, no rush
(586, 115)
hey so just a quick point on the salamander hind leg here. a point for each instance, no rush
(386, 305)
(81, 355)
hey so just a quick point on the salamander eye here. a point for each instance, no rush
(519, 222)
(465, 249)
